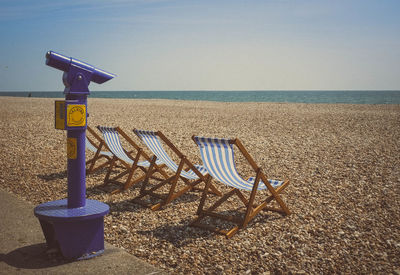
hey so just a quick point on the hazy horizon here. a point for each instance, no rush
(162, 45)
(310, 90)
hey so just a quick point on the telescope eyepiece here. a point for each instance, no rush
(58, 61)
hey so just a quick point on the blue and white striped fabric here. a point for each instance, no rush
(218, 159)
(111, 138)
(153, 143)
(94, 149)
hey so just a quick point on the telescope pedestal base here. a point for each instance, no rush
(77, 232)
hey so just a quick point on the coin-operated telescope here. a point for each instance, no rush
(74, 225)
(77, 74)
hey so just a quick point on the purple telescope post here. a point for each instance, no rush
(74, 225)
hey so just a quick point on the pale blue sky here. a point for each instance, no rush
(204, 45)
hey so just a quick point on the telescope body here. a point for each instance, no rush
(74, 68)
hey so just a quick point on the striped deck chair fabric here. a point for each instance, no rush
(189, 173)
(153, 143)
(92, 148)
(218, 158)
(111, 136)
(101, 158)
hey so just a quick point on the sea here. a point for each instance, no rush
(346, 97)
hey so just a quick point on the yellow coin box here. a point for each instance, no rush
(72, 148)
(76, 115)
(59, 114)
(69, 115)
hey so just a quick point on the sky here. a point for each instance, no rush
(205, 44)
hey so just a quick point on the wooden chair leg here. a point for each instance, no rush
(275, 194)
(204, 213)
(204, 195)
(221, 200)
(109, 171)
(103, 165)
(232, 232)
(128, 182)
(96, 158)
(148, 174)
(249, 209)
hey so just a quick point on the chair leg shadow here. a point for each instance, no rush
(53, 176)
(179, 235)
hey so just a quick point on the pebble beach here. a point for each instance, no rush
(343, 162)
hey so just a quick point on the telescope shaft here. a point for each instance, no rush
(76, 171)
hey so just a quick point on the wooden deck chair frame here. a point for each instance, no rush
(252, 209)
(131, 163)
(189, 173)
(98, 144)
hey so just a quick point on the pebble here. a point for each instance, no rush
(342, 161)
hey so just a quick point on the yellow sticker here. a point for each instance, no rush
(60, 114)
(76, 115)
(72, 148)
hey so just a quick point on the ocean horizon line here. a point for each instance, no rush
(283, 96)
(200, 90)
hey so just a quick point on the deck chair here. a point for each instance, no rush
(96, 145)
(218, 159)
(129, 162)
(190, 174)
